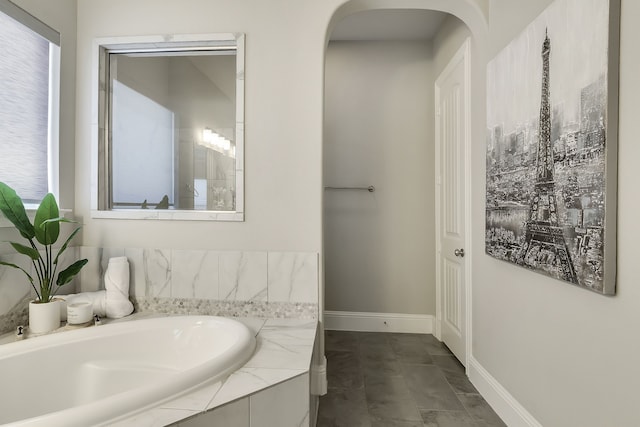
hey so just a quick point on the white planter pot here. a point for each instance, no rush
(44, 317)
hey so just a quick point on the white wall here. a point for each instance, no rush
(446, 43)
(567, 355)
(379, 130)
(284, 97)
(283, 105)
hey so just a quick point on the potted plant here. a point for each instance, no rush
(44, 315)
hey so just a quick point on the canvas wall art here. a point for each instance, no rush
(552, 145)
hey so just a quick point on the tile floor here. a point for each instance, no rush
(398, 380)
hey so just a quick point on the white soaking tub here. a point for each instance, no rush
(92, 376)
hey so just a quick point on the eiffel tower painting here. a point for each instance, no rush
(545, 247)
(551, 156)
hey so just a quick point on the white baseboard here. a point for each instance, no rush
(505, 405)
(378, 322)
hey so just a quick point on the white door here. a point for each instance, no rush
(452, 121)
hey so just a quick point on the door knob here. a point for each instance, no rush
(459, 252)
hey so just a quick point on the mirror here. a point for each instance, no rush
(171, 128)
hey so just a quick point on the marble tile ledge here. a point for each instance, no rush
(284, 348)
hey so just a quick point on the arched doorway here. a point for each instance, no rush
(472, 15)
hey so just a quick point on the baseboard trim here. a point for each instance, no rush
(378, 322)
(505, 405)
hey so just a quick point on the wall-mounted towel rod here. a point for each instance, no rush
(370, 188)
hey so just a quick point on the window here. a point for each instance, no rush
(29, 85)
(170, 128)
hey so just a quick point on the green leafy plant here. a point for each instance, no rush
(45, 230)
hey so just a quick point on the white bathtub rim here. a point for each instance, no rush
(94, 332)
(100, 412)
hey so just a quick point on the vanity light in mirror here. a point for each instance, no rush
(217, 142)
(170, 128)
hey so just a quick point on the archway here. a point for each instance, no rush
(474, 15)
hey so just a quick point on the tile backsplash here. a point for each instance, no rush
(290, 277)
(14, 286)
(230, 283)
(243, 276)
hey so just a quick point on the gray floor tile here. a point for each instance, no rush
(412, 354)
(481, 423)
(372, 339)
(382, 367)
(449, 363)
(374, 352)
(341, 340)
(430, 388)
(390, 423)
(447, 419)
(410, 348)
(455, 374)
(343, 369)
(388, 384)
(343, 408)
(408, 338)
(479, 409)
(373, 384)
(388, 398)
(435, 347)
(459, 382)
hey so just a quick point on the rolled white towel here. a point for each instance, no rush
(113, 302)
(116, 283)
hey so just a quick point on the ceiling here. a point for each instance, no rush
(389, 24)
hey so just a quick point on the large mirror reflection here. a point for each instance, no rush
(173, 138)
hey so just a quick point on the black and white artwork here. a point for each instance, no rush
(551, 145)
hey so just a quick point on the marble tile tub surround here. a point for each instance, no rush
(14, 286)
(278, 368)
(15, 293)
(285, 404)
(255, 283)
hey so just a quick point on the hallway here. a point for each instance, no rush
(398, 380)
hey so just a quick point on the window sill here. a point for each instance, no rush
(176, 215)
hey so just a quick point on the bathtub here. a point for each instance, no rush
(95, 375)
